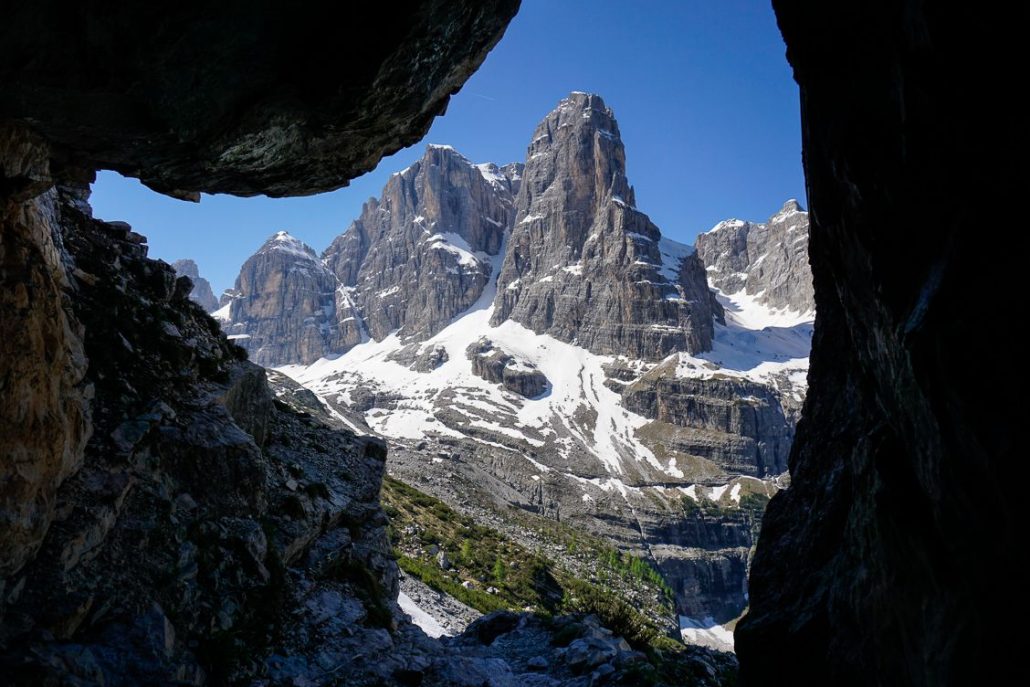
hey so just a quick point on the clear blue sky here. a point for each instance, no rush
(701, 89)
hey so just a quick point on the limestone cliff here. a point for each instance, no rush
(583, 263)
(423, 252)
(764, 260)
(282, 307)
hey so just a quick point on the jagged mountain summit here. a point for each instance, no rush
(764, 261)
(422, 253)
(282, 305)
(524, 336)
(584, 265)
(201, 292)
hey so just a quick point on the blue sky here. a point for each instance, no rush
(701, 89)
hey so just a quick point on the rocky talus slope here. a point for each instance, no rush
(583, 264)
(201, 291)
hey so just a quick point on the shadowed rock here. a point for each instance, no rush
(231, 98)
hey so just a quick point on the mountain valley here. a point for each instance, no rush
(536, 354)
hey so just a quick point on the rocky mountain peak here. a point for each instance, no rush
(282, 305)
(790, 207)
(767, 261)
(284, 242)
(584, 264)
(201, 293)
(423, 252)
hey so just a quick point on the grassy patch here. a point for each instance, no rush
(482, 558)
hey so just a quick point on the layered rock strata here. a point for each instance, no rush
(765, 260)
(584, 264)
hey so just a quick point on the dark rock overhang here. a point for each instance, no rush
(236, 97)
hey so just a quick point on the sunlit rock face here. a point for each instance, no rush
(282, 307)
(584, 264)
(423, 252)
(767, 261)
(892, 558)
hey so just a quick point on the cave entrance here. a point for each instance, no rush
(637, 444)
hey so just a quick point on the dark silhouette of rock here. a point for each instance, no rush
(892, 558)
(229, 98)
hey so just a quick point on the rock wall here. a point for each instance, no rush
(892, 558)
(767, 260)
(45, 411)
(583, 263)
(283, 305)
(423, 252)
(737, 424)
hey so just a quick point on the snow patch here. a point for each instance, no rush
(430, 625)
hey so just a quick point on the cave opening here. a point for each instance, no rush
(127, 557)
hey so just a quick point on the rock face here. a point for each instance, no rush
(45, 408)
(768, 261)
(201, 292)
(880, 564)
(424, 252)
(196, 510)
(274, 110)
(282, 308)
(738, 424)
(584, 264)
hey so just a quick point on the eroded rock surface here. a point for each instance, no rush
(201, 512)
(44, 395)
(583, 264)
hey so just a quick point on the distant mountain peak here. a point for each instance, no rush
(286, 242)
(201, 293)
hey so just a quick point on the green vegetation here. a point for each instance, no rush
(630, 567)
(517, 578)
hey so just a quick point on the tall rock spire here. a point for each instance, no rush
(583, 264)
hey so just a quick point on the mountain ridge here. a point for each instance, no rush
(658, 444)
